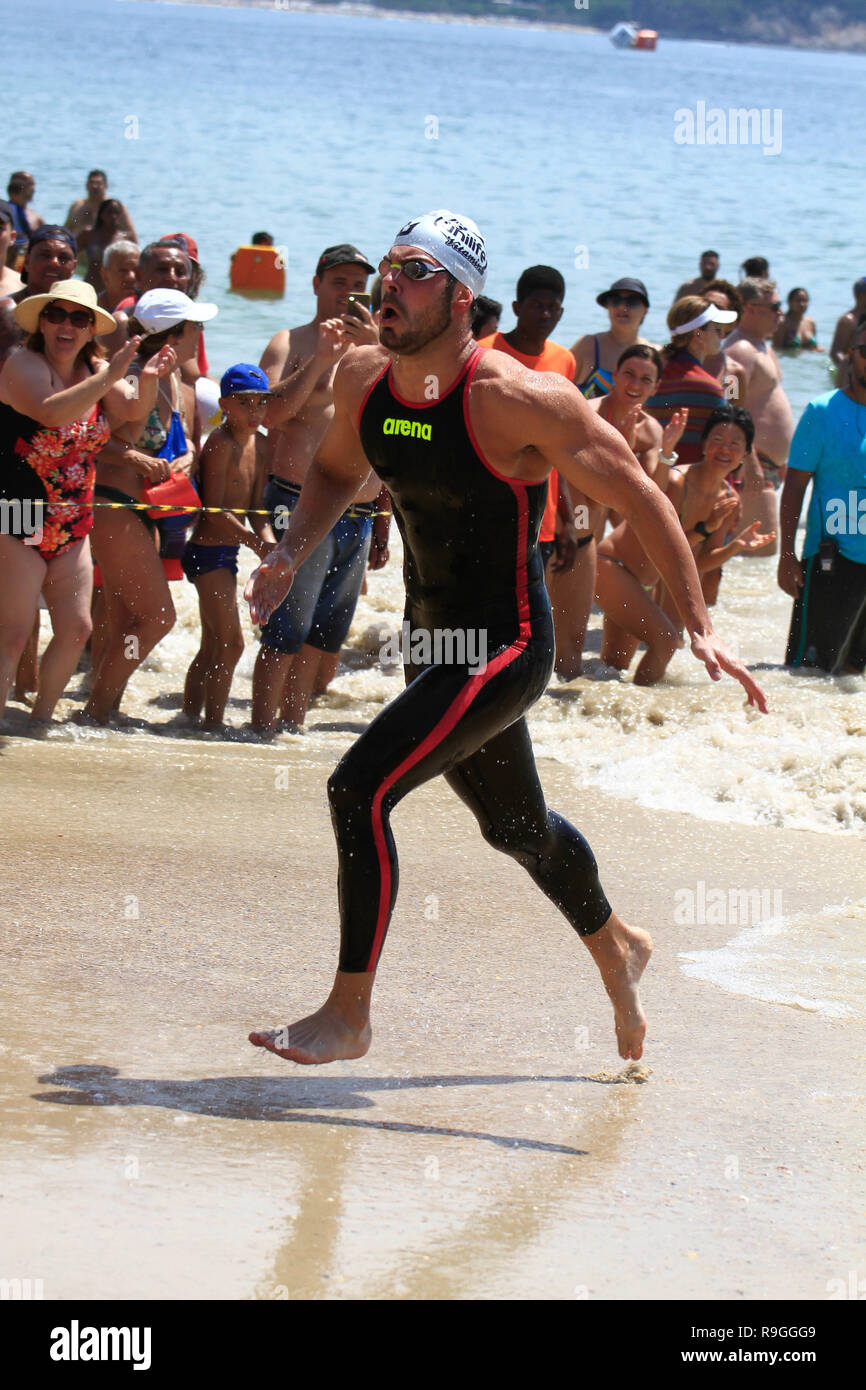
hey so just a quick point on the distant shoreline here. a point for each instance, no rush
(842, 39)
(362, 11)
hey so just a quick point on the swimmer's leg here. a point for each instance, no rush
(500, 786)
(435, 723)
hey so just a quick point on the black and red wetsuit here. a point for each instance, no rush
(470, 538)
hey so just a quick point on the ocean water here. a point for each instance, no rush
(220, 121)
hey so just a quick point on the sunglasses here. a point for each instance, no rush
(628, 301)
(413, 269)
(79, 318)
(775, 306)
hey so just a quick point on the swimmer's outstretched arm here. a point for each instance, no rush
(338, 471)
(554, 422)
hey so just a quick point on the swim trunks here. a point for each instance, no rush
(320, 605)
(204, 559)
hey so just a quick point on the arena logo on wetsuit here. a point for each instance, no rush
(438, 646)
(413, 428)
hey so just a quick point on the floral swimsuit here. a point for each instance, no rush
(64, 460)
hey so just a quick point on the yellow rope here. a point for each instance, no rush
(171, 507)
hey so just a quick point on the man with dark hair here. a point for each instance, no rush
(570, 574)
(755, 268)
(709, 268)
(301, 643)
(19, 191)
(486, 314)
(467, 470)
(828, 586)
(81, 217)
(52, 254)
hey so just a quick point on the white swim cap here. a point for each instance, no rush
(455, 241)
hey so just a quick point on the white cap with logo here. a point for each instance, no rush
(158, 310)
(455, 241)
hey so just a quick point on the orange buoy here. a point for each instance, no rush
(258, 268)
(646, 38)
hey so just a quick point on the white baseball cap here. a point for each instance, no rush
(158, 310)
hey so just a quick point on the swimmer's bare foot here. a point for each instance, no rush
(621, 954)
(338, 1031)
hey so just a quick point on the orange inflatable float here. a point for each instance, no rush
(258, 268)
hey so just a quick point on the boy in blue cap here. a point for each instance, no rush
(227, 479)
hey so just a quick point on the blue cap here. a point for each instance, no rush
(243, 378)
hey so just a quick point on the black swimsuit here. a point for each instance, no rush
(474, 577)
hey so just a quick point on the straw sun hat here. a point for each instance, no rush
(75, 292)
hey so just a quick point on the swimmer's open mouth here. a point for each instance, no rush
(388, 314)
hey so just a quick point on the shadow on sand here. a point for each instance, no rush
(286, 1099)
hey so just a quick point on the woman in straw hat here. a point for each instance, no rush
(52, 424)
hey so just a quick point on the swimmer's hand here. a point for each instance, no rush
(790, 575)
(673, 431)
(717, 659)
(268, 585)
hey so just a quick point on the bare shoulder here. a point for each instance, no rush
(505, 394)
(276, 353)
(583, 348)
(740, 349)
(356, 373)
(24, 365)
(649, 431)
(217, 448)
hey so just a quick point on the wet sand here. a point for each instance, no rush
(164, 897)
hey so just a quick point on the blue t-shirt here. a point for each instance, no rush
(830, 443)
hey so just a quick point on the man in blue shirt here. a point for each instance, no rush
(828, 624)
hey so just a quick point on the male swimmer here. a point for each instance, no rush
(466, 467)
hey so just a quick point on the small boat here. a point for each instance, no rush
(623, 35)
(628, 35)
(259, 268)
